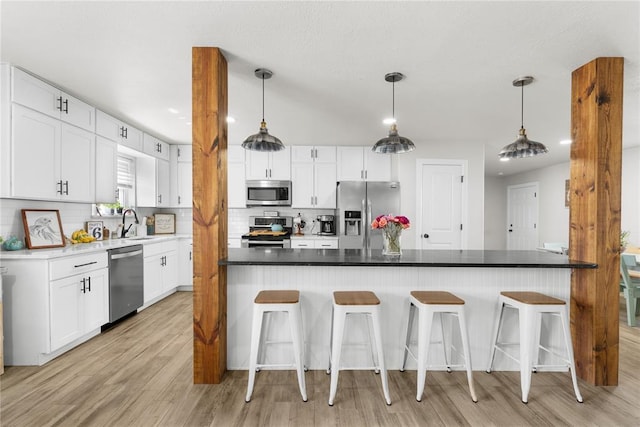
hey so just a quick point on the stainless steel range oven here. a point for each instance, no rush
(261, 235)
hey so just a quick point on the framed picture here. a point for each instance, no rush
(165, 223)
(42, 228)
(94, 228)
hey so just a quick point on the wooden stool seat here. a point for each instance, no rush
(277, 297)
(534, 298)
(437, 298)
(355, 298)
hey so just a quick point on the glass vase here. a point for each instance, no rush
(391, 241)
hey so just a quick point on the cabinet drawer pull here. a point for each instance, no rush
(84, 289)
(66, 106)
(66, 188)
(59, 107)
(85, 264)
(89, 283)
(59, 185)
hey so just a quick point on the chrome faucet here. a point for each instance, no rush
(126, 230)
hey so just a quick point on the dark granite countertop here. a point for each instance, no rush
(409, 258)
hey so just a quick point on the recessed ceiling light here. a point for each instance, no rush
(231, 119)
(565, 142)
(173, 110)
(504, 159)
(389, 121)
(500, 173)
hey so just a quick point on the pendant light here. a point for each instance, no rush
(393, 143)
(262, 141)
(523, 146)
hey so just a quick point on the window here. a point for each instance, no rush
(126, 188)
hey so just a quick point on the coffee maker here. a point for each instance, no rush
(327, 225)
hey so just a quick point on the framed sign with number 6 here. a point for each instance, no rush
(94, 228)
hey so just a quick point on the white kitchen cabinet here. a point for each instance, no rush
(181, 176)
(51, 160)
(155, 147)
(323, 243)
(313, 176)
(38, 95)
(234, 242)
(185, 264)
(106, 171)
(118, 131)
(79, 304)
(49, 311)
(236, 183)
(362, 164)
(152, 182)
(160, 270)
(274, 165)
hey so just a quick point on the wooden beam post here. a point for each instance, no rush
(594, 233)
(209, 109)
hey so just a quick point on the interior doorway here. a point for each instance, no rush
(441, 203)
(522, 216)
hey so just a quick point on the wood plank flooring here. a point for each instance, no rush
(140, 374)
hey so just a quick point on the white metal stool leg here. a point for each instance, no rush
(295, 322)
(256, 333)
(339, 316)
(564, 316)
(375, 318)
(467, 352)
(412, 310)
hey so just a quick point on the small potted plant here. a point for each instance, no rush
(624, 240)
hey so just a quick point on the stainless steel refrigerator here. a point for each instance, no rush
(358, 204)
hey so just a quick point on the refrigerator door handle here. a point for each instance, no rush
(368, 224)
(365, 229)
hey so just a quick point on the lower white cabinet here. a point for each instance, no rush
(322, 243)
(160, 269)
(185, 263)
(79, 304)
(53, 305)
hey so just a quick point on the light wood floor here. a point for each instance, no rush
(140, 373)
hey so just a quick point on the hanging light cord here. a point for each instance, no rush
(263, 97)
(393, 100)
(521, 106)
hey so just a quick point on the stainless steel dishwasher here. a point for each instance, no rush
(126, 287)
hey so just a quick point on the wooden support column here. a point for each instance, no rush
(594, 234)
(209, 104)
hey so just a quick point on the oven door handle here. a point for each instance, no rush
(265, 242)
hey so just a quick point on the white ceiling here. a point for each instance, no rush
(133, 60)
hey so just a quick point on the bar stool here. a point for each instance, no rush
(277, 301)
(531, 306)
(428, 303)
(355, 302)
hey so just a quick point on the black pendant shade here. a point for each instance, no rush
(393, 143)
(522, 147)
(262, 141)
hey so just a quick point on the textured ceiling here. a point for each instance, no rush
(133, 60)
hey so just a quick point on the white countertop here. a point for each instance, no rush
(81, 248)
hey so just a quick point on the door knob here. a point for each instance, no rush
(425, 235)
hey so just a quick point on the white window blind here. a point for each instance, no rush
(126, 172)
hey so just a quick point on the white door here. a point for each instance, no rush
(522, 216)
(441, 201)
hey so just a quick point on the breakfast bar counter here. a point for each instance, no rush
(476, 276)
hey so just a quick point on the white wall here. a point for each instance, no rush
(406, 174)
(553, 224)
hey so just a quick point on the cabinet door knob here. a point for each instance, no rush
(425, 235)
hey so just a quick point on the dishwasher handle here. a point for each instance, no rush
(127, 254)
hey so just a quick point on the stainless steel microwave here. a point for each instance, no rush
(268, 193)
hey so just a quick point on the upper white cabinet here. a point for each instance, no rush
(51, 160)
(152, 182)
(181, 176)
(362, 164)
(118, 131)
(38, 95)
(313, 176)
(106, 170)
(236, 184)
(268, 165)
(154, 147)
